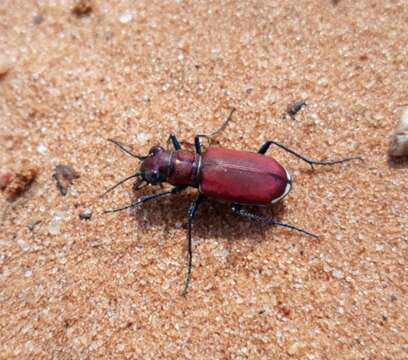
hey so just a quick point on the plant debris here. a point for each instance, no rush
(64, 175)
(15, 184)
(5, 180)
(33, 225)
(294, 108)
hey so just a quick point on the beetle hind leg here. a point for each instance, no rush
(265, 147)
(238, 210)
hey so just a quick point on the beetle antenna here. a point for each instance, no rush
(223, 125)
(127, 151)
(121, 182)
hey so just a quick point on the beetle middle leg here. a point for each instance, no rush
(264, 148)
(146, 198)
(197, 142)
(238, 210)
(191, 213)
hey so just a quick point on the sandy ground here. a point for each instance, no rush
(138, 70)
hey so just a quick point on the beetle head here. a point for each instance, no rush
(155, 168)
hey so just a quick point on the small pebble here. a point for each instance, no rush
(55, 224)
(82, 8)
(86, 214)
(23, 245)
(42, 149)
(28, 273)
(125, 18)
(295, 348)
(323, 81)
(399, 141)
(337, 274)
(5, 64)
(64, 175)
(142, 137)
(38, 19)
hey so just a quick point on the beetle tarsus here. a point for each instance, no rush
(191, 213)
(265, 147)
(237, 209)
(223, 125)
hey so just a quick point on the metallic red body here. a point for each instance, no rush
(241, 176)
(231, 175)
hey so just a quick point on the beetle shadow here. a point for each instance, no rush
(398, 163)
(213, 220)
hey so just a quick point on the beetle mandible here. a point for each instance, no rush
(238, 177)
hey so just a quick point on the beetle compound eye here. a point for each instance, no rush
(153, 176)
(156, 150)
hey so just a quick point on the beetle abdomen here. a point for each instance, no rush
(242, 177)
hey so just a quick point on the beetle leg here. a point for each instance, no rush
(146, 198)
(174, 141)
(223, 125)
(264, 148)
(191, 213)
(237, 209)
(197, 142)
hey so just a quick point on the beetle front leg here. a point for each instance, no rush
(238, 210)
(146, 198)
(191, 213)
(197, 143)
(264, 148)
(173, 139)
